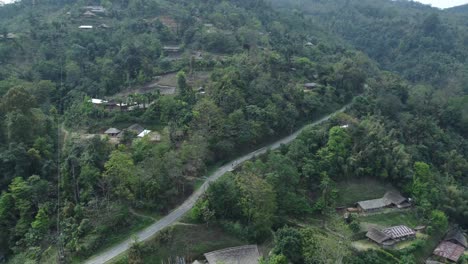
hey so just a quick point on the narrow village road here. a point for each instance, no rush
(172, 217)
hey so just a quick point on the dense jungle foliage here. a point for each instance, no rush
(403, 64)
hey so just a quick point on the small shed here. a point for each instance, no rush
(113, 132)
(144, 133)
(173, 49)
(310, 85)
(96, 101)
(95, 9)
(85, 27)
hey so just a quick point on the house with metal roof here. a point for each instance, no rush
(379, 237)
(452, 247)
(449, 251)
(144, 133)
(400, 232)
(388, 237)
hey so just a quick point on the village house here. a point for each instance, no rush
(144, 133)
(95, 9)
(104, 26)
(8, 36)
(89, 14)
(113, 132)
(390, 199)
(235, 255)
(310, 86)
(85, 27)
(172, 49)
(389, 237)
(100, 103)
(452, 247)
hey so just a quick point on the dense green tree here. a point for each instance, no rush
(288, 242)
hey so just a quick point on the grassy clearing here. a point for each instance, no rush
(185, 240)
(356, 190)
(114, 238)
(408, 218)
(364, 245)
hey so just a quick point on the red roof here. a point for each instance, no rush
(449, 250)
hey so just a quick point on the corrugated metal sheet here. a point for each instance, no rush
(398, 232)
(449, 250)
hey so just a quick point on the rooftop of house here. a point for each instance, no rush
(95, 9)
(310, 85)
(235, 255)
(377, 235)
(388, 199)
(457, 236)
(112, 130)
(97, 101)
(373, 204)
(88, 13)
(449, 250)
(400, 231)
(144, 133)
(394, 197)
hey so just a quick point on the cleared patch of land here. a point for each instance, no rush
(408, 218)
(167, 84)
(353, 191)
(185, 240)
(364, 245)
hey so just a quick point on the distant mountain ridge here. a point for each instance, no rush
(458, 9)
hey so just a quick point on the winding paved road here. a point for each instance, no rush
(175, 215)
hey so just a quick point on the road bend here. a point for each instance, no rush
(188, 204)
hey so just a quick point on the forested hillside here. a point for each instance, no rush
(256, 61)
(212, 80)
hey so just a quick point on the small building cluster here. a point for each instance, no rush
(452, 247)
(172, 49)
(114, 106)
(390, 199)
(310, 86)
(134, 129)
(92, 11)
(8, 36)
(236, 255)
(389, 237)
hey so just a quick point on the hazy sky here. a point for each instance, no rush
(435, 3)
(444, 3)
